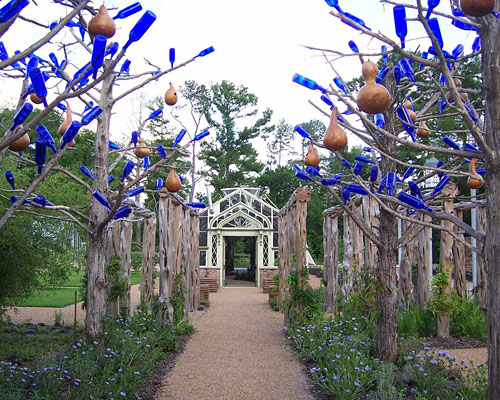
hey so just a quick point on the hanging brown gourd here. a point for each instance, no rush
(142, 150)
(474, 183)
(423, 131)
(311, 159)
(173, 183)
(20, 144)
(335, 137)
(477, 8)
(372, 98)
(35, 99)
(411, 113)
(171, 96)
(67, 122)
(102, 24)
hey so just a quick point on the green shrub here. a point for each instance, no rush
(136, 260)
(273, 302)
(303, 303)
(416, 322)
(468, 319)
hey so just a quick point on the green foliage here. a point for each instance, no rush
(303, 303)
(57, 298)
(178, 297)
(115, 366)
(340, 355)
(136, 260)
(416, 322)
(273, 302)
(467, 319)
(32, 256)
(115, 286)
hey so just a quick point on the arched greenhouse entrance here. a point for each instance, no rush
(239, 238)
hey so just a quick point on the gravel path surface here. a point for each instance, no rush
(237, 353)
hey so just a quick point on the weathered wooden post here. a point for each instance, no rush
(459, 258)
(166, 274)
(482, 273)
(113, 245)
(406, 264)
(125, 261)
(331, 263)
(443, 319)
(348, 260)
(148, 252)
(424, 263)
(371, 213)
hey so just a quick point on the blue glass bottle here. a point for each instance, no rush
(171, 57)
(308, 83)
(101, 199)
(178, 138)
(382, 74)
(382, 185)
(11, 9)
(127, 169)
(441, 184)
(45, 135)
(302, 132)
(196, 205)
(398, 74)
(125, 68)
(161, 151)
(40, 153)
(374, 174)
(408, 173)
(364, 159)
(301, 174)
(413, 201)
(128, 11)
(140, 28)
(135, 138)
(451, 143)
(91, 115)
(380, 120)
(406, 121)
(200, 136)
(159, 184)
(314, 171)
(407, 69)
(111, 50)
(38, 84)
(400, 23)
(98, 51)
(334, 4)
(476, 46)
(122, 212)
(415, 189)
(134, 192)
(434, 26)
(110, 179)
(70, 133)
(9, 177)
(457, 51)
(470, 147)
(330, 181)
(86, 172)
(21, 115)
(205, 52)
(391, 183)
(431, 5)
(346, 164)
(353, 46)
(145, 163)
(327, 101)
(358, 168)
(154, 114)
(355, 19)
(340, 84)
(461, 24)
(356, 189)
(345, 195)
(385, 53)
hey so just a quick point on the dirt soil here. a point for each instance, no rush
(237, 353)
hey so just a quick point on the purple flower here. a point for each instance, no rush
(123, 394)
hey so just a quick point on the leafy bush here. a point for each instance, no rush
(468, 319)
(416, 322)
(303, 303)
(114, 367)
(273, 302)
(136, 260)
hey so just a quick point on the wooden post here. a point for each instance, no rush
(166, 310)
(148, 252)
(443, 319)
(357, 247)
(112, 306)
(348, 260)
(330, 268)
(459, 258)
(371, 212)
(283, 255)
(406, 265)
(195, 257)
(125, 257)
(482, 273)
(424, 264)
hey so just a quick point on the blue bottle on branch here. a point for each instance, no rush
(398, 73)
(196, 205)
(91, 115)
(391, 183)
(413, 201)
(346, 164)
(205, 52)
(21, 115)
(334, 4)
(358, 168)
(415, 189)
(200, 135)
(355, 19)
(135, 138)
(340, 84)
(110, 179)
(356, 189)
(308, 83)
(113, 145)
(40, 153)
(127, 169)
(400, 23)
(38, 84)
(374, 174)
(122, 212)
(45, 135)
(159, 183)
(171, 57)
(178, 138)
(70, 133)
(301, 174)
(125, 68)
(154, 114)
(431, 5)
(40, 200)
(85, 171)
(345, 195)
(382, 74)
(331, 181)
(11, 9)
(380, 120)
(140, 28)
(408, 173)
(407, 69)
(364, 159)
(476, 45)
(327, 101)
(451, 143)
(101, 199)
(382, 185)
(314, 171)
(145, 163)
(161, 151)
(302, 132)
(385, 53)
(434, 26)
(128, 11)
(353, 46)
(98, 51)
(441, 184)
(9, 177)
(134, 192)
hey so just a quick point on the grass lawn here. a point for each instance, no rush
(65, 295)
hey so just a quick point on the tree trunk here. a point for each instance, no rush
(424, 264)
(443, 319)
(331, 271)
(482, 273)
(406, 265)
(348, 260)
(96, 246)
(148, 252)
(459, 261)
(125, 254)
(112, 307)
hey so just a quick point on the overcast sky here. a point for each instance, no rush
(257, 44)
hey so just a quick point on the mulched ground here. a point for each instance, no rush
(454, 343)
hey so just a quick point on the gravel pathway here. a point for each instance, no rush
(237, 353)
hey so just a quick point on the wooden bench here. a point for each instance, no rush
(204, 292)
(266, 284)
(211, 282)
